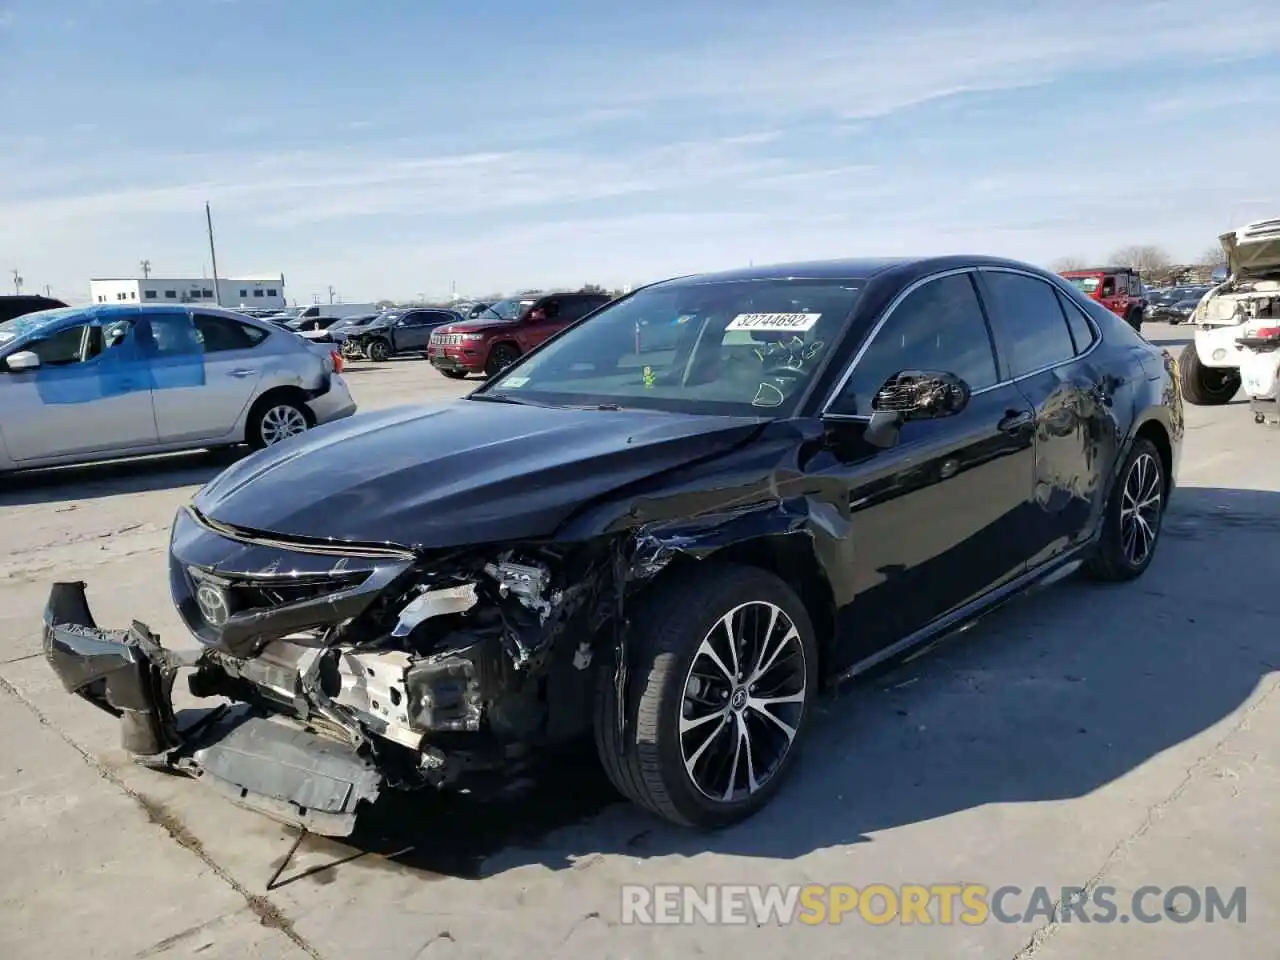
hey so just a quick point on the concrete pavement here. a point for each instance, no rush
(1087, 737)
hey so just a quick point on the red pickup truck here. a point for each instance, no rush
(1119, 289)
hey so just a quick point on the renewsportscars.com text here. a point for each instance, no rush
(940, 903)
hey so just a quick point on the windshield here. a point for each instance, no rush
(507, 309)
(11, 330)
(1086, 284)
(737, 348)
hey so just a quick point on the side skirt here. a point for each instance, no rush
(963, 618)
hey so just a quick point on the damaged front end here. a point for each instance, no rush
(341, 670)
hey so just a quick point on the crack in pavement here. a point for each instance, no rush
(268, 914)
(1154, 814)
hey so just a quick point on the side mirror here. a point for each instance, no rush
(22, 360)
(914, 395)
(922, 395)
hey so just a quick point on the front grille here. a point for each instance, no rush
(446, 339)
(241, 595)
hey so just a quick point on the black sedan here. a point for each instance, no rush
(1174, 304)
(669, 551)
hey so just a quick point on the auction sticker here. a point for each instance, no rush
(515, 382)
(799, 322)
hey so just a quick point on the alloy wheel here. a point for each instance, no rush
(281, 422)
(744, 697)
(1140, 508)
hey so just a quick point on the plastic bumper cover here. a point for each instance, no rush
(267, 763)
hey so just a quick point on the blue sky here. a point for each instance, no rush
(392, 148)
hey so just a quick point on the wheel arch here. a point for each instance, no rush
(788, 556)
(283, 393)
(503, 341)
(1154, 430)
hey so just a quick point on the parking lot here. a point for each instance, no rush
(1118, 736)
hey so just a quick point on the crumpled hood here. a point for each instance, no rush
(1252, 250)
(467, 472)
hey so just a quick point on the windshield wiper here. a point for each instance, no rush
(506, 398)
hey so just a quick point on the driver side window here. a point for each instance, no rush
(938, 326)
(62, 348)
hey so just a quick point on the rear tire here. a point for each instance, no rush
(1205, 386)
(500, 357)
(1133, 517)
(379, 351)
(688, 710)
(274, 419)
(1135, 320)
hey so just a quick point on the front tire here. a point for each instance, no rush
(723, 673)
(379, 351)
(1133, 517)
(500, 357)
(1205, 386)
(455, 374)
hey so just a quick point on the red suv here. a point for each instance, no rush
(1119, 289)
(505, 331)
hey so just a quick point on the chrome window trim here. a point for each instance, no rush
(826, 413)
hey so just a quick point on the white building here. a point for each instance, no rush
(233, 291)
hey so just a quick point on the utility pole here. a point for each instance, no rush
(213, 256)
(146, 269)
(331, 293)
(17, 282)
(48, 292)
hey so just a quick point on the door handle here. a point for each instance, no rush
(1015, 420)
(241, 373)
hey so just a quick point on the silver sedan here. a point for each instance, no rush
(106, 381)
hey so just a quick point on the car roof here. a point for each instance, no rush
(109, 311)
(1089, 271)
(852, 269)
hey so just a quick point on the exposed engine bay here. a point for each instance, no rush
(1240, 301)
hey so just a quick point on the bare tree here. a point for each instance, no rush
(1145, 258)
(1213, 256)
(1069, 263)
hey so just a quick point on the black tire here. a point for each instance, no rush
(379, 351)
(1135, 320)
(500, 357)
(455, 374)
(1205, 386)
(270, 411)
(1112, 561)
(668, 628)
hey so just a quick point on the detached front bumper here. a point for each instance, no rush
(263, 761)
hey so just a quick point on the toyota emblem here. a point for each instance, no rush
(213, 604)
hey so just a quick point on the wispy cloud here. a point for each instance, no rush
(688, 140)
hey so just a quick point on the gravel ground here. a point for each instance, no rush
(1087, 736)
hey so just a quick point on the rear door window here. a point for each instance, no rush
(1029, 321)
(577, 307)
(219, 334)
(1082, 334)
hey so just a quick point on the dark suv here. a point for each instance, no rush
(396, 331)
(505, 331)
